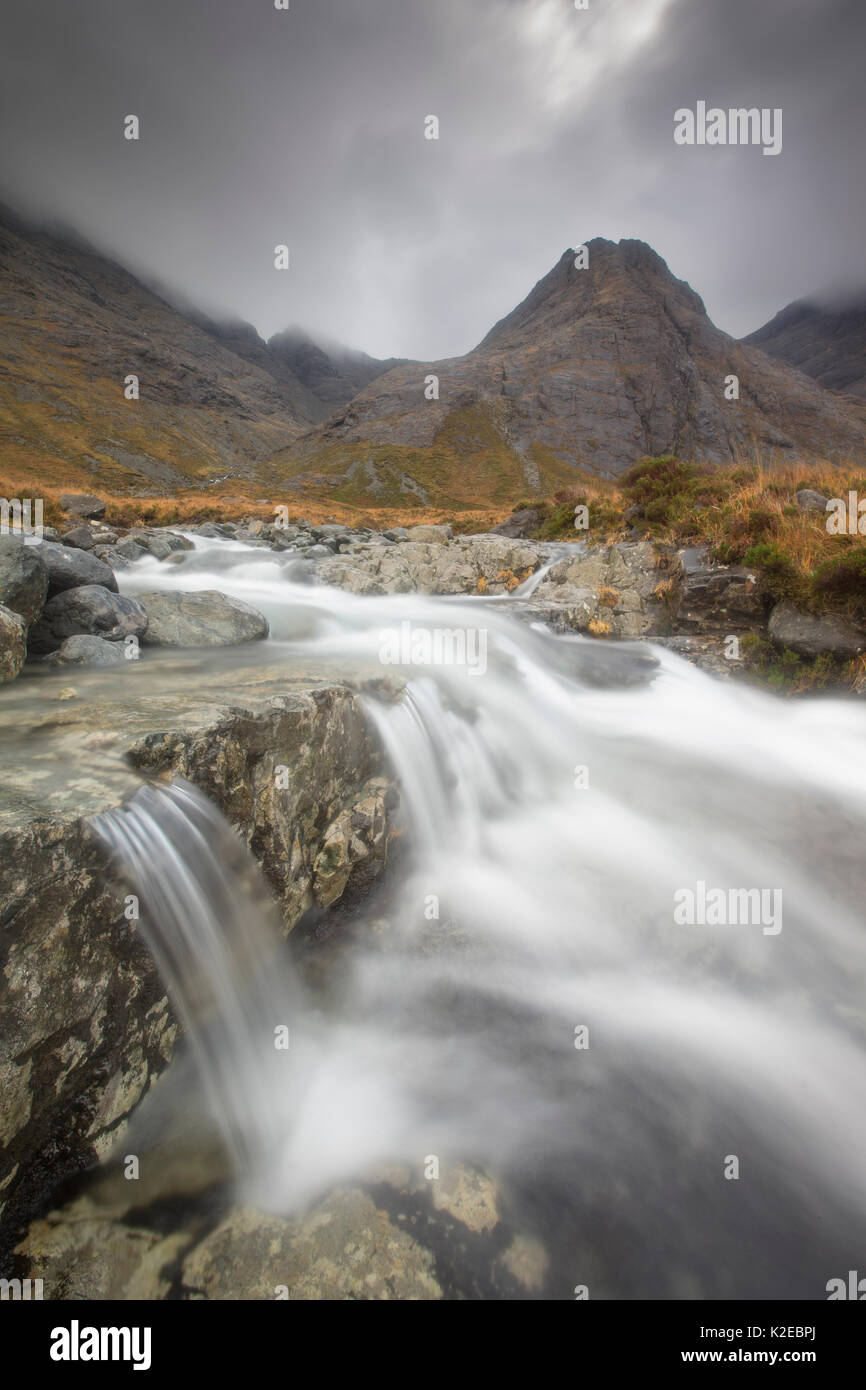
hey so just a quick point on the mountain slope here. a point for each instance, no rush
(73, 326)
(332, 376)
(594, 369)
(826, 341)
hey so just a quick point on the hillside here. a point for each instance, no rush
(827, 341)
(593, 370)
(214, 403)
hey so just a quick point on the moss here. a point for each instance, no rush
(787, 673)
(840, 582)
(778, 570)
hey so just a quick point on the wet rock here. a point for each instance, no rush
(358, 835)
(527, 1262)
(467, 565)
(345, 1248)
(160, 544)
(81, 504)
(89, 609)
(84, 650)
(84, 1023)
(706, 597)
(23, 578)
(128, 549)
(469, 1196)
(605, 591)
(203, 619)
(80, 538)
(13, 646)
(69, 569)
(810, 636)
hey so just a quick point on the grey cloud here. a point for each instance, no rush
(306, 127)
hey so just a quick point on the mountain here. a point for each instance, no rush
(596, 368)
(826, 340)
(333, 376)
(215, 401)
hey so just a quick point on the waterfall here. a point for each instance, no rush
(623, 966)
(206, 921)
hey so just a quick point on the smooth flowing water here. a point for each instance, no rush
(674, 1104)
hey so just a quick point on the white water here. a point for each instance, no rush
(455, 1036)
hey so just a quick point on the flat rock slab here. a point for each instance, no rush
(205, 619)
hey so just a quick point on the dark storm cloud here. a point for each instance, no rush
(306, 127)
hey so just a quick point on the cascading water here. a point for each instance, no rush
(675, 1105)
(205, 918)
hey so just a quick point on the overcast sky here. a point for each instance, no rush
(556, 125)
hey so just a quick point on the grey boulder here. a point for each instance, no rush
(80, 537)
(160, 544)
(205, 619)
(808, 500)
(521, 525)
(69, 569)
(23, 578)
(86, 650)
(433, 535)
(13, 645)
(88, 609)
(811, 636)
(82, 504)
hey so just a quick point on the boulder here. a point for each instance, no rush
(128, 549)
(808, 500)
(84, 1020)
(521, 525)
(80, 504)
(69, 569)
(88, 609)
(433, 535)
(706, 597)
(811, 636)
(13, 645)
(160, 544)
(205, 619)
(80, 537)
(23, 578)
(85, 650)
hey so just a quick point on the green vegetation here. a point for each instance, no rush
(743, 514)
